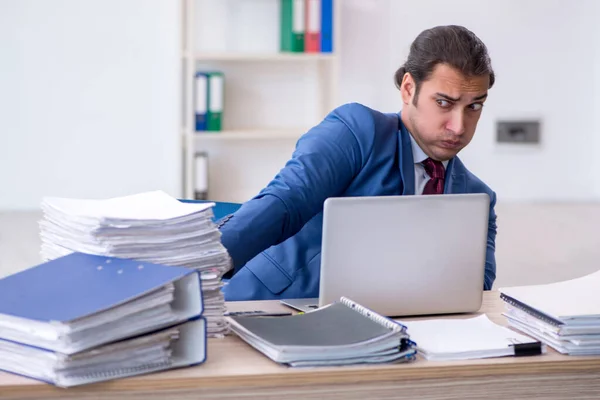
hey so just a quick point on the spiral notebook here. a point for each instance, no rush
(340, 333)
(565, 315)
(573, 302)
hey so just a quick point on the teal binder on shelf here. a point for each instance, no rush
(293, 26)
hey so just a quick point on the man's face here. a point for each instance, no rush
(447, 110)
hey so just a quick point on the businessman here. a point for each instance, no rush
(274, 239)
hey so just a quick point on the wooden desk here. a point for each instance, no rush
(235, 370)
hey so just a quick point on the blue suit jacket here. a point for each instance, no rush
(274, 239)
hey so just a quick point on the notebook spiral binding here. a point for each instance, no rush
(121, 372)
(535, 313)
(380, 319)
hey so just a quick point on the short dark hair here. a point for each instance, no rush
(453, 45)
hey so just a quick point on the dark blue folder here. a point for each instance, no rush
(79, 285)
(51, 299)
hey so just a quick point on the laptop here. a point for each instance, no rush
(403, 255)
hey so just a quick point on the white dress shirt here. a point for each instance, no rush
(421, 177)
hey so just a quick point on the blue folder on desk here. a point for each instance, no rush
(64, 298)
(85, 318)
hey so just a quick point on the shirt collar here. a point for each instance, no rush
(418, 154)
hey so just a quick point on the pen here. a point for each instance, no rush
(257, 313)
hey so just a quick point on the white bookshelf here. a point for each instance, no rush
(249, 134)
(239, 63)
(272, 57)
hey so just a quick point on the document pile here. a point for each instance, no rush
(446, 339)
(564, 315)
(341, 333)
(150, 226)
(82, 318)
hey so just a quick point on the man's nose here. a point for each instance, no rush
(456, 124)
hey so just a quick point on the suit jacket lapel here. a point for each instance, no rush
(405, 160)
(456, 180)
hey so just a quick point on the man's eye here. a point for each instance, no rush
(476, 106)
(444, 103)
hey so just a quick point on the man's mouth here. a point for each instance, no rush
(449, 144)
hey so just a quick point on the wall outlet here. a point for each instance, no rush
(518, 131)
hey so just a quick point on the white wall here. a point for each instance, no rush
(366, 56)
(543, 243)
(595, 88)
(89, 98)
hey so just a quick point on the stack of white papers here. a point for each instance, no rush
(564, 315)
(150, 226)
(463, 339)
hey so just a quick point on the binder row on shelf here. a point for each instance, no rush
(208, 100)
(307, 26)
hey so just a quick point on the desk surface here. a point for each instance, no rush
(234, 368)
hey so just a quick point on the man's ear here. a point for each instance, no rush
(407, 88)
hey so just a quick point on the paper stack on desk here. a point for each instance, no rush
(150, 226)
(342, 333)
(446, 339)
(84, 318)
(564, 315)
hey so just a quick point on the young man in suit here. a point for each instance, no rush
(274, 239)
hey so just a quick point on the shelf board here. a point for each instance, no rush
(272, 57)
(250, 134)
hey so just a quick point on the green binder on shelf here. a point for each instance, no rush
(216, 89)
(292, 25)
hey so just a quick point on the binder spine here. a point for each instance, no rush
(531, 311)
(201, 101)
(326, 26)
(298, 25)
(380, 319)
(312, 37)
(216, 88)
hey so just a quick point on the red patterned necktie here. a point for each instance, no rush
(436, 171)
